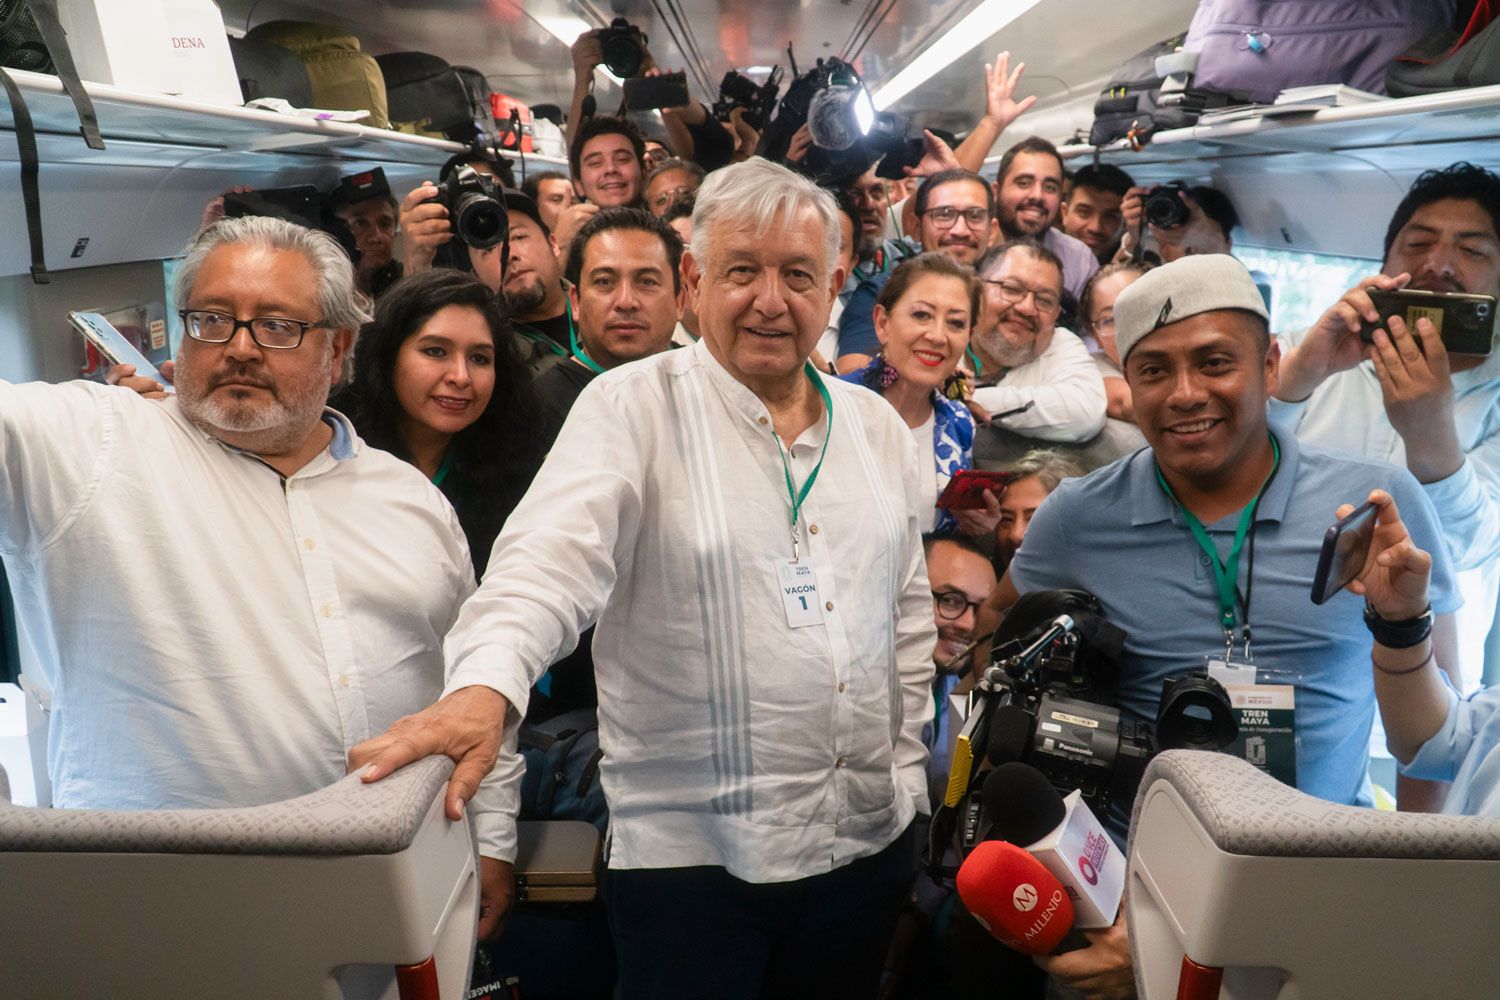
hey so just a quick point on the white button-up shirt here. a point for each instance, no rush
(730, 738)
(212, 634)
(1065, 390)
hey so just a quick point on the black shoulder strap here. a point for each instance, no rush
(44, 12)
(26, 145)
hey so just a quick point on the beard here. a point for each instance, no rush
(525, 296)
(993, 343)
(273, 428)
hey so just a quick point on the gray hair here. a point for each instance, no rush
(343, 306)
(1048, 465)
(758, 192)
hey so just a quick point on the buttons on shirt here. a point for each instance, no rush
(828, 605)
(812, 529)
(839, 762)
(326, 611)
(841, 687)
(309, 544)
(1204, 559)
(343, 680)
(764, 421)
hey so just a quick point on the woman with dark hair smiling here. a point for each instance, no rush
(923, 318)
(438, 382)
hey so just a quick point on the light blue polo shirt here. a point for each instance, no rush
(1116, 534)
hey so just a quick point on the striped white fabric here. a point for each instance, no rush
(730, 738)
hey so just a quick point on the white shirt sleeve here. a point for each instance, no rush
(55, 442)
(555, 563)
(497, 803)
(1064, 387)
(916, 636)
(1468, 507)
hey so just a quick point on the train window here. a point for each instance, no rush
(1304, 284)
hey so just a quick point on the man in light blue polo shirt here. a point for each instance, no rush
(1194, 342)
(1200, 363)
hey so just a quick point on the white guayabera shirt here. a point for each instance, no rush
(212, 634)
(731, 736)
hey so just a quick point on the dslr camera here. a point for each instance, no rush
(1163, 206)
(475, 210)
(624, 48)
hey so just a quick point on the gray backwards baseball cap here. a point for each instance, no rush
(1186, 287)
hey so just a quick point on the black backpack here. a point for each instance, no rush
(268, 70)
(1138, 101)
(562, 769)
(428, 96)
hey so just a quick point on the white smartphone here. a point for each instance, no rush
(112, 344)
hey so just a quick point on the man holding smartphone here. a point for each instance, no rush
(1404, 399)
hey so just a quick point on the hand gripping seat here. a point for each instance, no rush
(355, 891)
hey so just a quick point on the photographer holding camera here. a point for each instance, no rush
(1404, 398)
(1182, 220)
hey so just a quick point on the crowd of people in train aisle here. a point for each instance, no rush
(625, 423)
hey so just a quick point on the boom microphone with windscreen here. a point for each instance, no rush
(1016, 899)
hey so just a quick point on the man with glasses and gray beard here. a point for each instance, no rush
(1037, 380)
(226, 590)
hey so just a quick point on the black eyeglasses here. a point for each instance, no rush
(946, 215)
(952, 604)
(271, 332)
(1014, 291)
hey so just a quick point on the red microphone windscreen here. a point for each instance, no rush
(1015, 898)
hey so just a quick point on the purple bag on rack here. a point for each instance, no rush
(1262, 47)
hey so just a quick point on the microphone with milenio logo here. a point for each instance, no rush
(1017, 900)
(1062, 833)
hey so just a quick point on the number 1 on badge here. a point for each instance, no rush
(799, 593)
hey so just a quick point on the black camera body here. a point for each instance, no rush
(624, 48)
(1163, 206)
(476, 212)
(757, 101)
(1055, 704)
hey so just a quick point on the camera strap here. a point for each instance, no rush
(1227, 571)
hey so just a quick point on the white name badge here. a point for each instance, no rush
(799, 594)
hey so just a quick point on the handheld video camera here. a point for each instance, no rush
(1048, 700)
(848, 133)
(624, 48)
(475, 211)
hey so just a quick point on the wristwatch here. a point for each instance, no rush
(1402, 634)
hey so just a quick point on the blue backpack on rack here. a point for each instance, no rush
(562, 769)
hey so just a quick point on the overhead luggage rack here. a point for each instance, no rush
(1463, 124)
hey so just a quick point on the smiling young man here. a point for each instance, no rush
(1028, 203)
(1219, 496)
(607, 159)
(763, 651)
(625, 297)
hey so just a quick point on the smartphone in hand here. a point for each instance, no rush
(1346, 547)
(114, 346)
(1465, 323)
(965, 491)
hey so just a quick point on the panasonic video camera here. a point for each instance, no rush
(1051, 681)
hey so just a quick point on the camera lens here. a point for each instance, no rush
(1195, 715)
(480, 220)
(1164, 209)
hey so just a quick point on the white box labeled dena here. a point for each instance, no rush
(1087, 863)
(202, 66)
(121, 44)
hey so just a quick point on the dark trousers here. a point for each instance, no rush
(692, 933)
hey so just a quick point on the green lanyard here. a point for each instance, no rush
(1227, 572)
(795, 495)
(444, 469)
(578, 352)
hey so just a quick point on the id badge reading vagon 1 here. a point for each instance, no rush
(799, 593)
(1264, 701)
